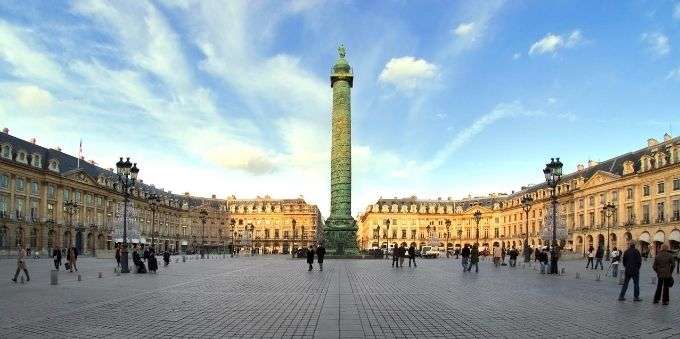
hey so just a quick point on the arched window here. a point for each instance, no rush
(36, 161)
(53, 165)
(22, 157)
(6, 151)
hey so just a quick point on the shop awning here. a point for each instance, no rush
(675, 236)
(645, 237)
(659, 236)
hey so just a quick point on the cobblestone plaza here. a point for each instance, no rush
(275, 296)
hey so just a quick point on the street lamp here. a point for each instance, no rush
(553, 174)
(203, 215)
(232, 225)
(293, 222)
(127, 176)
(154, 200)
(609, 210)
(448, 235)
(387, 224)
(526, 206)
(252, 231)
(478, 216)
(70, 208)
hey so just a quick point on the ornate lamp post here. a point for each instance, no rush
(609, 210)
(293, 249)
(127, 176)
(232, 225)
(153, 200)
(478, 216)
(553, 174)
(203, 215)
(387, 225)
(448, 235)
(429, 233)
(252, 231)
(526, 206)
(70, 208)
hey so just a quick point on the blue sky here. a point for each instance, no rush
(449, 98)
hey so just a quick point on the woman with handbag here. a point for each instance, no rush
(663, 266)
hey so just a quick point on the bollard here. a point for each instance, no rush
(54, 277)
(564, 270)
(578, 275)
(117, 272)
(184, 258)
(22, 279)
(80, 278)
(176, 260)
(598, 276)
(100, 275)
(621, 277)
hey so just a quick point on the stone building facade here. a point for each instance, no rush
(36, 183)
(644, 185)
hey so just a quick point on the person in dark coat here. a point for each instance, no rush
(146, 253)
(56, 253)
(395, 255)
(320, 254)
(663, 266)
(151, 260)
(632, 260)
(513, 253)
(137, 260)
(310, 257)
(118, 255)
(554, 258)
(474, 259)
(402, 255)
(166, 257)
(599, 254)
(412, 256)
(465, 254)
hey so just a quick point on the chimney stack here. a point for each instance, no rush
(652, 142)
(592, 163)
(59, 148)
(214, 196)
(33, 141)
(667, 137)
(579, 167)
(5, 130)
(186, 194)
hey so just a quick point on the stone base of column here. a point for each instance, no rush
(340, 237)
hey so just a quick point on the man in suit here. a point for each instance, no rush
(632, 260)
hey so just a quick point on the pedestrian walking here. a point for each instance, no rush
(474, 258)
(591, 257)
(137, 260)
(543, 260)
(166, 258)
(21, 264)
(663, 266)
(118, 255)
(395, 255)
(465, 255)
(632, 260)
(145, 252)
(402, 255)
(456, 252)
(310, 257)
(677, 260)
(71, 259)
(497, 252)
(152, 262)
(616, 257)
(513, 256)
(412, 256)
(503, 253)
(320, 254)
(537, 252)
(599, 254)
(56, 254)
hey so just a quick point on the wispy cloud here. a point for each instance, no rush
(674, 74)
(552, 43)
(408, 73)
(658, 43)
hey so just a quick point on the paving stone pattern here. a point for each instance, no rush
(275, 296)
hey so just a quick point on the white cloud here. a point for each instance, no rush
(27, 62)
(33, 97)
(657, 43)
(674, 74)
(407, 72)
(465, 30)
(551, 43)
(516, 56)
(676, 11)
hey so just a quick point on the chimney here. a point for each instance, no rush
(667, 137)
(186, 194)
(5, 130)
(59, 148)
(33, 141)
(591, 163)
(652, 142)
(110, 169)
(214, 196)
(579, 167)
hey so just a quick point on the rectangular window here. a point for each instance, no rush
(629, 194)
(603, 197)
(50, 211)
(50, 191)
(3, 205)
(645, 214)
(660, 212)
(660, 187)
(19, 208)
(19, 184)
(580, 203)
(403, 234)
(88, 199)
(34, 188)
(4, 181)
(580, 220)
(645, 190)
(676, 184)
(629, 213)
(34, 211)
(615, 196)
(592, 219)
(591, 201)
(66, 194)
(676, 210)
(98, 200)
(77, 196)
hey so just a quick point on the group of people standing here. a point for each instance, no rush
(663, 267)
(399, 254)
(142, 255)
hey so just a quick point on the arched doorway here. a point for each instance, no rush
(89, 244)
(600, 240)
(627, 237)
(589, 240)
(613, 241)
(659, 238)
(645, 240)
(79, 241)
(579, 245)
(34, 239)
(101, 241)
(66, 241)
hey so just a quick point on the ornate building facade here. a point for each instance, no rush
(49, 198)
(644, 185)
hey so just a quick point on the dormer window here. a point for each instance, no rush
(54, 165)
(22, 157)
(6, 151)
(35, 160)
